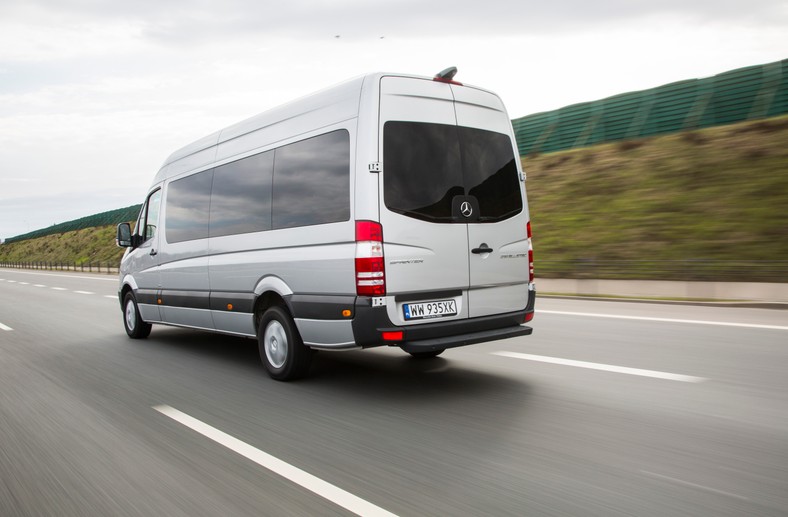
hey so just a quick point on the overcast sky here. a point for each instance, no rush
(95, 94)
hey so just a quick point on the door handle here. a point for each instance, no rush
(483, 248)
(153, 252)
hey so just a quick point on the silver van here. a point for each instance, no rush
(388, 210)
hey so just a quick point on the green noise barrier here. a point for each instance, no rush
(749, 93)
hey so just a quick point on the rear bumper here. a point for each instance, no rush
(434, 344)
(369, 324)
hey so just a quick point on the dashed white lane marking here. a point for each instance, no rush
(604, 367)
(5, 327)
(694, 485)
(666, 320)
(312, 483)
(114, 297)
(108, 277)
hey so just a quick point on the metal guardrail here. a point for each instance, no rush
(683, 269)
(586, 268)
(84, 267)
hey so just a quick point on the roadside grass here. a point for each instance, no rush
(709, 195)
(79, 247)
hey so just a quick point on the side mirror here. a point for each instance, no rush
(123, 237)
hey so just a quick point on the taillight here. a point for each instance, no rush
(530, 254)
(370, 268)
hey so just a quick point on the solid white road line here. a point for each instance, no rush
(312, 483)
(694, 485)
(604, 367)
(666, 320)
(5, 327)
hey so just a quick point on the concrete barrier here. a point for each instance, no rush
(714, 291)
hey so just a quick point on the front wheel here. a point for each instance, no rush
(135, 327)
(281, 349)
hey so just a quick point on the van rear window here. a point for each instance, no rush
(427, 165)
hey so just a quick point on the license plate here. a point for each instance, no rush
(438, 309)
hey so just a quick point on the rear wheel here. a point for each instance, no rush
(281, 349)
(135, 327)
(428, 354)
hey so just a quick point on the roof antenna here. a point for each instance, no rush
(447, 75)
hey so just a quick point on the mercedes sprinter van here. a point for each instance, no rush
(387, 210)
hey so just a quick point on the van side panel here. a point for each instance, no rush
(306, 260)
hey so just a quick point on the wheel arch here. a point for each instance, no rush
(270, 291)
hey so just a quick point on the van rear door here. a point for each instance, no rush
(498, 278)
(426, 255)
(452, 210)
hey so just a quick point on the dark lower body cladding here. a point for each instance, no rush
(370, 323)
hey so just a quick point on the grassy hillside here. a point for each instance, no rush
(679, 206)
(707, 204)
(80, 246)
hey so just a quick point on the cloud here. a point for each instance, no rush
(204, 22)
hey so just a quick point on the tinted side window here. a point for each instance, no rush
(312, 181)
(241, 196)
(422, 171)
(188, 204)
(490, 173)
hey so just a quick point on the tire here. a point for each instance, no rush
(135, 327)
(281, 349)
(427, 355)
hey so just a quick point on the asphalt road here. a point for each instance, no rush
(608, 409)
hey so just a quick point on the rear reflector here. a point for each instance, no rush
(529, 316)
(370, 266)
(392, 336)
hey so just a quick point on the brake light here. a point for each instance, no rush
(530, 254)
(370, 267)
(447, 81)
(447, 76)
